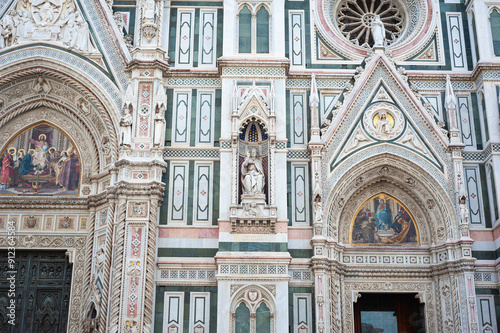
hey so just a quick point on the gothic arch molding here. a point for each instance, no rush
(253, 296)
(84, 75)
(83, 140)
(68, 96)
(413, 186)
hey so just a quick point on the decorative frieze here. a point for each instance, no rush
(256, 269)
(387, 259)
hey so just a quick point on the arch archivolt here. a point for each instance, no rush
(429, 204)
(72, 108)
(83, 140)
(385, 186)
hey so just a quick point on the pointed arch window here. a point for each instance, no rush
(263, 319)
(262, 30)
(242, 318)
(245, 30)
(495, 30)
(255, 322)
(254, 29)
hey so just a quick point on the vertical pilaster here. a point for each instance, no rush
(137, 179)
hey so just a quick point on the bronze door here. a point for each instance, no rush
(42, 292)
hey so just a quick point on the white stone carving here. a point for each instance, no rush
(361, 22)
(41, 85)
(252, 209)
(356, 141)
(411, 138)
(383, 121)
(159, 128)
(378, 31)
(100, 257)
(126, 129)
(54, 21)
(252, 174)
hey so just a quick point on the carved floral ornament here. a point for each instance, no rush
(355, 20)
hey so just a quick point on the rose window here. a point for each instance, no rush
(354, 19)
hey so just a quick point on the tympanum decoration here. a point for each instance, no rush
(40, 160)
(383, 220)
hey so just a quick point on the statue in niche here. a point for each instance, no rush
(159, 128)
(464, 211)
(126, 129)
(378, 31)
(252, 174)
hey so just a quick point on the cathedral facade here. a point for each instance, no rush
(249, 166)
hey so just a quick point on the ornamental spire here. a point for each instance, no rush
(314, 104)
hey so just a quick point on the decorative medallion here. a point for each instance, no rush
(383, 121)
(383, 220)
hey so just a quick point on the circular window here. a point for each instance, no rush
(354, 20)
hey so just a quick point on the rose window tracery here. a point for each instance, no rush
(354, 20)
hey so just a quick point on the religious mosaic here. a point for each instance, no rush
(382, 220)
(41, 160)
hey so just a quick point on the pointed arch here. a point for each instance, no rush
(429, 202)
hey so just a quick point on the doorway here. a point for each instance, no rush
(389, 313)
(42, 292)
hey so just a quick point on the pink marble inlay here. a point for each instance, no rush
(135, 243)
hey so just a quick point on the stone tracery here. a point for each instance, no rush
(357, 19)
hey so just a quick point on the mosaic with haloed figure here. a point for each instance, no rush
(382, 220)
(41, 160)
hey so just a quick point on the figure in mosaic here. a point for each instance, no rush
(41, 160)
(383, 220)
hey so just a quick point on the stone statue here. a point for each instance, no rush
(252, 174)
(159, 128)
(318, 212)
(126, 129)
(100, 257)
(68, 22)
(383, 125)
(48, 21)
(464, 210)
(8, 29)
(81, 36)
(378, 31)
(41, 85)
